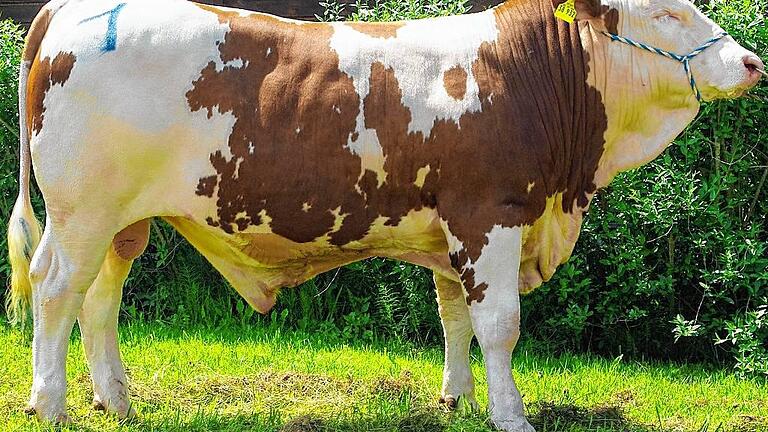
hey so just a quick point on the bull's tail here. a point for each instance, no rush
(23, 228)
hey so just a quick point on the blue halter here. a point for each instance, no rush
(685, 60)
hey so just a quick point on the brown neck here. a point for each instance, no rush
(540, 71)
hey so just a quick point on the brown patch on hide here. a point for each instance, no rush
(130, 243)
(224, 15)
(291, 79)
(295, 114)
(36, 34)
(539, 123)
(207, 186)
(382, 30)
(455, 82)
(43, 75)
(587, 8)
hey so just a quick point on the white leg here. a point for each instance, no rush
(99, 318)
(458, 381)
(496, 322)
(98, 326)
(60, 272)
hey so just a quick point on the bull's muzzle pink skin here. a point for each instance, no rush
(755, 69)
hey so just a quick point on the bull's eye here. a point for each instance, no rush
(667, 16)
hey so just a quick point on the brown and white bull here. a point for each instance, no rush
(280, 149)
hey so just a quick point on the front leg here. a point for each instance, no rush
(494, 308)
(458, 381)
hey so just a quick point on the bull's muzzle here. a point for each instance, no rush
(755, 69)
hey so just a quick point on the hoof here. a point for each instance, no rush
(122, 411)
(449, 402)
(61, 419)
(131, 414)
(98, 406)
(464, 403)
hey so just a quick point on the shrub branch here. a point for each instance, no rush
(10, 129)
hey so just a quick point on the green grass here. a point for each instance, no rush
(260, 379)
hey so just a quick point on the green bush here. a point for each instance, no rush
(672, 261)
(392, 10)
(11, 38)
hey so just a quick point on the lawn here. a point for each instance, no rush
(260, 379)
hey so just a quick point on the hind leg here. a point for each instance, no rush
(64, 265)
(458, 381)
(98, 321)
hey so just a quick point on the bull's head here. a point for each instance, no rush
(649, 95)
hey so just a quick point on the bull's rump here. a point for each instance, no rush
(119, 131)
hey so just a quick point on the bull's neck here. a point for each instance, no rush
(545, 73)
(576, 63)
(643, 115)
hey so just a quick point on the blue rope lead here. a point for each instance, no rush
(685, 60)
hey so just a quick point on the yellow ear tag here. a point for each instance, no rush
(566, 11)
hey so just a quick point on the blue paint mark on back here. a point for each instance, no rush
(110, 40)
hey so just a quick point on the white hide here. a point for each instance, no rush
(106, 103)
(126, 128)
(61, 271)
(116, 101)
(679, 26)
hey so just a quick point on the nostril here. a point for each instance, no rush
(754, 64)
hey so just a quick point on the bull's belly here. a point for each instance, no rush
(258, 263)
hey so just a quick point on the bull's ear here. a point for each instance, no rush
(597, 13)
(588, 9)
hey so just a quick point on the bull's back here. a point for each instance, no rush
(156, 97)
